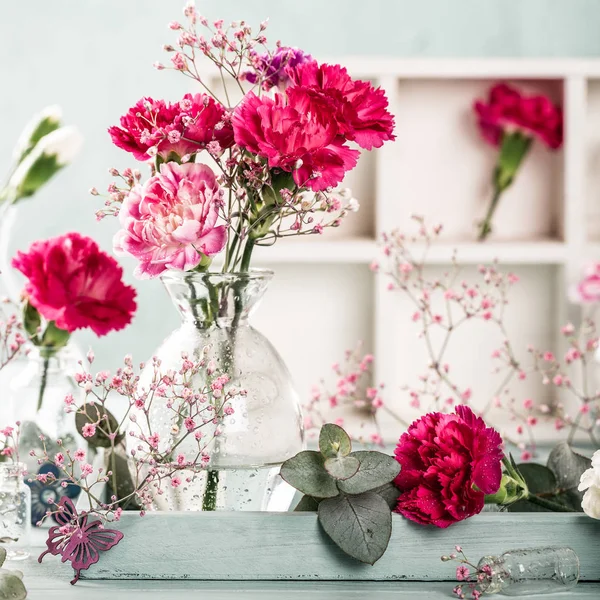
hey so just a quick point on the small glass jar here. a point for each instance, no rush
(530, 571)
(15, 510)
(36, 397)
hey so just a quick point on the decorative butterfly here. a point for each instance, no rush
(76, 540)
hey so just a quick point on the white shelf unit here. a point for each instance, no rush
(327, 298)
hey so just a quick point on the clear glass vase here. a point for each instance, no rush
(266, 426)
(15, 508)
(530, 571)
(36, 395)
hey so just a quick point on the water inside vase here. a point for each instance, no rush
(249, 489)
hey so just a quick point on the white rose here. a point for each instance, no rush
(590, 481)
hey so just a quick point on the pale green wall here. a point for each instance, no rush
(94, 58)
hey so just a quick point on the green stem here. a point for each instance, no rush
(247, 255)
(486, 226)
(209, 500)
(549, 504)
(43, 383)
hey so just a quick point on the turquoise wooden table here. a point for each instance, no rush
(51, 581)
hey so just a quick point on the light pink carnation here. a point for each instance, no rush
(170, 221)
(587, 290)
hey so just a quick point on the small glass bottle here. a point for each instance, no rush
(15, 510)
(530, 571)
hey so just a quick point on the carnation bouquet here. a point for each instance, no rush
(275, 157)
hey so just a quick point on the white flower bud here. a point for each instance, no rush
(44, 122)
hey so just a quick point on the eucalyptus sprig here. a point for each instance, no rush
(352, 492)
(11, 581)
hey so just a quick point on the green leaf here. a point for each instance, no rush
(2, 555)
(390, 493)
(53, 337)
(539, 479)
(307, 504)
(513, 150)
(119, 465)
(568, 466)
(104, 420)
(542, 481)
(40, 172)
(11, 586)
(306, 472)
(334, 441)
(31, 320)
(342, 467)
(360, 525)
(36, 130)
(376, 469)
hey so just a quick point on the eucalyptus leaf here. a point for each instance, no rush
(307, 504)
(360, 525)
(342, 467)
(306, 472)
(568, 466)
(539, 480)
(390, 493)
(334, 441)
(11, 586)
(376, 469)
(118, 463)
(103, 418)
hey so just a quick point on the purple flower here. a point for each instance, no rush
(78, 541)
(271, 69)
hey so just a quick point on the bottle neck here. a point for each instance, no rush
(12, 473)
(496, 575)
(216, 300)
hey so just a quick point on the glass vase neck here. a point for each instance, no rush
(12, 471)
(223, 300)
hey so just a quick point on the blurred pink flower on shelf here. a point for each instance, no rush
(75, 284)
(171, 221)
(587, 291)
(507, 110)
(510, 121)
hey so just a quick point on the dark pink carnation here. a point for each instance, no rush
(186, 127)
(296, 133)
(449, 463)
(170, 221)
(507, 110)
(358, 109)
(75, 284)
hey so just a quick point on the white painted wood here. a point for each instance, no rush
(403, 357)
(270, 546)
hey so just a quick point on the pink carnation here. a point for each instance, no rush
(358, 109)
(297, 134)
(181, 128)
(75, 284)
(449, 463)
(170, 221)
(507, 109)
